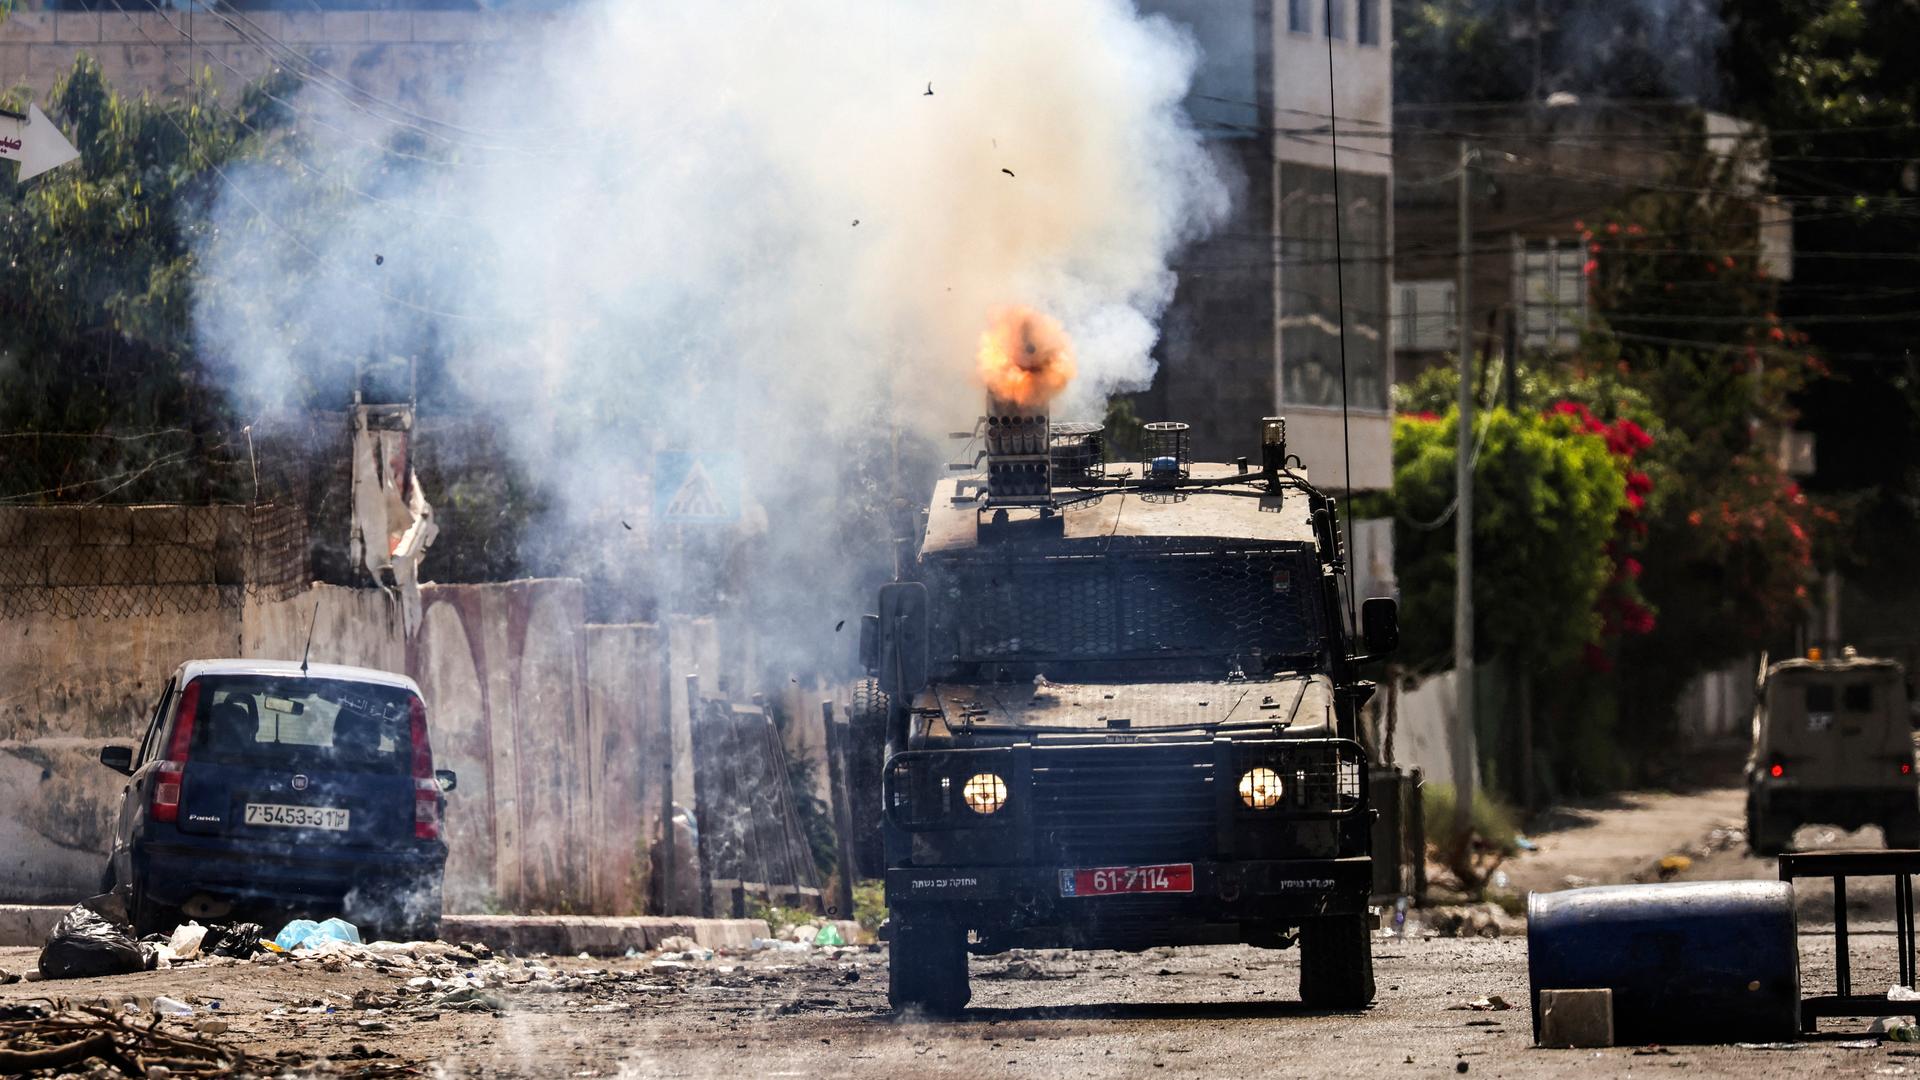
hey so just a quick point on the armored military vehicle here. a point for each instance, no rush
(1120, 712)
(1832, 745)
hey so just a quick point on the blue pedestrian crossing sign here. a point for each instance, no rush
(692, 488)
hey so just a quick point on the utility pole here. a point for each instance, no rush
(1463, 751)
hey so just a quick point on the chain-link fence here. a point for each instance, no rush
(173, 521)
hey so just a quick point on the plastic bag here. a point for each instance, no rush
(93, 938)
(233, 939)
(305, 933)
(187, 940)
(829, 935)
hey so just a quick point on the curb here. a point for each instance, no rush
(27, 925)
(597, 935)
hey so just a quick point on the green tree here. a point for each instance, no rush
(1546, 494)
(96, 295)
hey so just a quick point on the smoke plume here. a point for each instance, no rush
(759, 229)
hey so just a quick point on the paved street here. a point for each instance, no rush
(1215, 1011)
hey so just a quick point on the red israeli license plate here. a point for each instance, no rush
(1113, 880)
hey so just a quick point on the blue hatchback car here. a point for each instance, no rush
(282, 788)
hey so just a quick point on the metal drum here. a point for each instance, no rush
(1688, 962)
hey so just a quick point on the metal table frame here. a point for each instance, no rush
(1901, 866)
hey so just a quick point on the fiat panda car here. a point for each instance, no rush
(281, 788)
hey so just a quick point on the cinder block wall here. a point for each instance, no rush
(410, 56)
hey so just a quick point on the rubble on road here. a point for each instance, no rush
(45, 1039)
(1488, 920)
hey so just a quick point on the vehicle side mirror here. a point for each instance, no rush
(1380, 626)
(118, 758)
(870, 643)
(904, 649)
(446, 779)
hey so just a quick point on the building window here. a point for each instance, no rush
(1336, 18)
(1550, 290)
(1312, 273)
(1300, 16)
(1424, 316)
(1367, 32)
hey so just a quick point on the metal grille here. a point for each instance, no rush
(1317, 777)
(1101, 805)
(1217, 603)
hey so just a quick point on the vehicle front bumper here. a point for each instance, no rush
(1265, 891)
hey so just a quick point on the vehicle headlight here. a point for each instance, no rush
(984, 793)
(1260, 788)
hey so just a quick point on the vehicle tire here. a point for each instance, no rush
(1767, 834)
(866, 756)
(147, 916)
(1903, 832)
(1336, 962)
(927, 962)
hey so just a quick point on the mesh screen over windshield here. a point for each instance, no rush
(1229, 603)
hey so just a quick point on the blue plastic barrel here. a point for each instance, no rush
(1688, 962)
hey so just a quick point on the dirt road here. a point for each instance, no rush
(1201, 1012)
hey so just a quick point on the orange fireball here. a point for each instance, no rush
(1025, 357)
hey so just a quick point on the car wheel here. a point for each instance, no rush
(927, 962)
(1903, 832)
(866, 756)
(147, 916)
(1336, 962)
(1767, 834)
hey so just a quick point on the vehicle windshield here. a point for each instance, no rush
(1180, 613)
(316, 724)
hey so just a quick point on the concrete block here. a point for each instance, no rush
(28, 924)
(46, 63)
(13, 63)
(304, 27)
(105, 525)
(344, 27)
(389, 26)
(27, 27)
(1576, 1018)
(76, 27)
(444, 26)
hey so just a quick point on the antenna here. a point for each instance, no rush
(314, 618)
(1340, 299)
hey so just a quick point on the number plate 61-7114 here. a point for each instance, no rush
(1114, 880)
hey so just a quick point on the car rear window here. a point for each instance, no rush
(1857, 698)
(1819, 697)
(306, 723)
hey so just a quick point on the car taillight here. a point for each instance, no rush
(426, 790)
(1906, 768)
(1777, 770)
(172, 770)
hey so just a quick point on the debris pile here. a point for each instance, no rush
(33, 1039)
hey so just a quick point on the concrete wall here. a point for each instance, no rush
(1719, 704)
(558, 730)
(411, 56)
(69, 686)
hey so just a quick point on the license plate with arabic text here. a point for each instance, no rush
(1117, 880)
(298, 817)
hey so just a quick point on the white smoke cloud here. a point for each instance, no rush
(650, 242)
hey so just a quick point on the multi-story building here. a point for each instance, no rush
(1284, 308)
(1537, 171)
